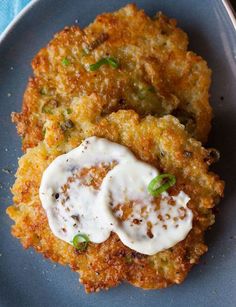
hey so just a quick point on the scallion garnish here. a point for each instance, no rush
(145, 92)
(160, 184)
(69, 111)
(112, 62)
(80, 241)
(104, 61)
(49, 106)
(47, 109)
(43, 91)
(65, 61)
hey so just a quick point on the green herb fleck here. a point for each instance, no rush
(47, 109)
(112, 62)
(43, 91)
(69, 111)
(49, 106)
(104, 61)
(160, 184)
(143, 93)
(65, 61)
(80, 242)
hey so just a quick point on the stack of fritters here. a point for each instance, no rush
(155, 103)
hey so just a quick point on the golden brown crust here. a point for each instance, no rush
(162, 142)
(63, 104)
(157, 74)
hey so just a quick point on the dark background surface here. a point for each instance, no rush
(233, 2)
(26, 279)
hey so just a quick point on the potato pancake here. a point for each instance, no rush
(161, 142)
(129, 60)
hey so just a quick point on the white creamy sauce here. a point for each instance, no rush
(74, 206)
(129, 181)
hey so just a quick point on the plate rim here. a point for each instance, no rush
(230, 11)
(226, 4)
(16, 20)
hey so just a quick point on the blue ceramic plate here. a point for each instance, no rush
(26, 279)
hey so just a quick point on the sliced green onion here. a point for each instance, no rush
(104, 61)
(47, 109)
(43, 91)
(112, 62)
(49, 106)
(65, 61)
(44, 131)
(80, 241)
(145, 92)
(97, 65)
(160, 184)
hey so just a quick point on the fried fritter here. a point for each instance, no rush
(157, 75)
(162, 142)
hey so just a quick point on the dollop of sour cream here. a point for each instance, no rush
(120, 204)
